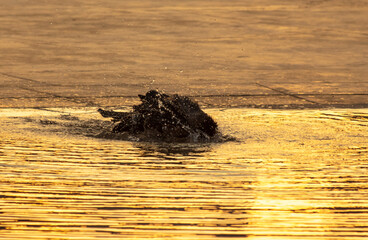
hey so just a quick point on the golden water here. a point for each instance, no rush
(290, 175)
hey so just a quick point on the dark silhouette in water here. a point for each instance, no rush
(165, 117)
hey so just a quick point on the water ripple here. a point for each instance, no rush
(291, 175)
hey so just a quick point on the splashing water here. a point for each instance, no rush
(290, 175)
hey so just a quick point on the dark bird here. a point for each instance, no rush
(165, 117)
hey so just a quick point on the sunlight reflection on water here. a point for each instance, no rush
(291, 175)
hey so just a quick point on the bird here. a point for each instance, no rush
(168, 117)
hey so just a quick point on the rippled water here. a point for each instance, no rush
(290, 175)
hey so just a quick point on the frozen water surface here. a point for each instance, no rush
(291, 174)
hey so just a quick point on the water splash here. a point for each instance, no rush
(290, 175)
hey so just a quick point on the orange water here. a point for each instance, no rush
(290, 175)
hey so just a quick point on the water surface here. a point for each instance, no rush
(291, 174)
